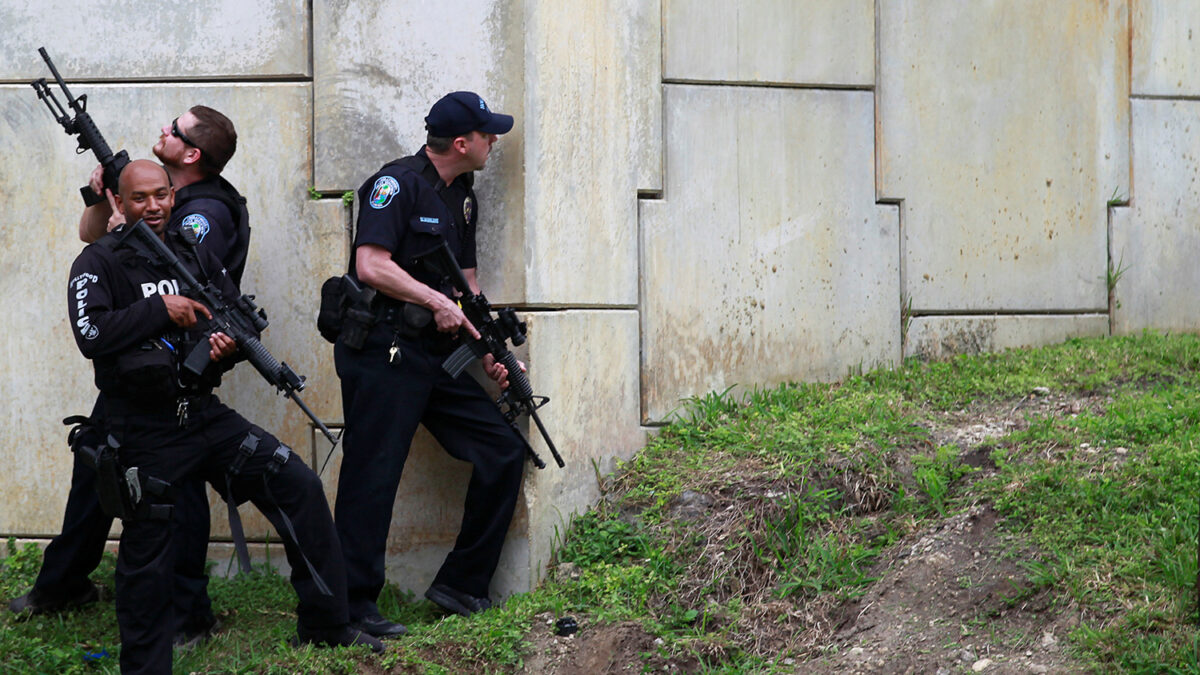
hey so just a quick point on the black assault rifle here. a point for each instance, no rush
(241, 320)
(83, 126)
(494, 332)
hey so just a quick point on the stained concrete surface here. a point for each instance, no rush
(816, 42)
(1156, 239)
(1004, 129)
(939, 337)
(768, 259)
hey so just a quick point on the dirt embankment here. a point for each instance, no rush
(952, 597)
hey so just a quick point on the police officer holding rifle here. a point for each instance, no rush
(194, 149)
(391, 371)
(146, 339)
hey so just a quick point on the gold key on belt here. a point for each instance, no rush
(394, 354)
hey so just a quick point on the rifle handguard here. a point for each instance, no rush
(518, 382)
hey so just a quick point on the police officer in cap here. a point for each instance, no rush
(127, 317)
(394, 380)
(194, 149)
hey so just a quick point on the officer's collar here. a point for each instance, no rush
(430, 173)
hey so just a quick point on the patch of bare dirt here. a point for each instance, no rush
(616, 648)
(951, 597)
(954, 598)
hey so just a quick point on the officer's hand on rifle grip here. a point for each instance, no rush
(183, 311)
(96, 180)
(222, 346)
(450, 318)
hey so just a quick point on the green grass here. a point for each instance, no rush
(807, 487)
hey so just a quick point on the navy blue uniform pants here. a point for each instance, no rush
(206, 446)
(383, 402)
(72, 555)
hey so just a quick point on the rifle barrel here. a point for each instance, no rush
(58, 78)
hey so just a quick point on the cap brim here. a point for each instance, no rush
(499, 124)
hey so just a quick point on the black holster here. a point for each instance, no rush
(346, 310)
(356, 325)
(124, 493)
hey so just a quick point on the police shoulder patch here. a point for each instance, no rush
(384, 190)
(468, 207)
(198, 224)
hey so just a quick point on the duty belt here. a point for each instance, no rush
(400, 316)
(181, 407)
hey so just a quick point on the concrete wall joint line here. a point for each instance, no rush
(1164, 97)
(547, 308)
(918, 313)
(258, 79)
(769, 85)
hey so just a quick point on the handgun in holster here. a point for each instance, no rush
(358, 315)
(123, 492)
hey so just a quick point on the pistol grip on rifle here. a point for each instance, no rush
(90, 198)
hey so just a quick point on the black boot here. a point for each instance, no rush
(456, 601)
(377, 626)
(34, 603)
(341, 636)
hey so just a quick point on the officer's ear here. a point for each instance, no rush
(192, 156)
(459, 145)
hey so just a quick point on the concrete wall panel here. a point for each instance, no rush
(1166, 47)
(1156, 240)
(821, 42)
(939, 337)
(377, 70)
(768, 259)
(1005, 164)
(290, 236)
(592, 142)
(586, 362)
(146, 39)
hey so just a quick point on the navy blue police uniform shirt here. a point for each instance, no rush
(406, 209)
(212, 222)
(114, 300)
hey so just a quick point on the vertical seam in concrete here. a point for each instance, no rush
(1110, 269)
(640, 233)
(902, 270)
(878, 78)
(312, 95)
(901, 250)
(641, 323)
(1108, 245)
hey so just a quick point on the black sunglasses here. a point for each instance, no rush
(179, 134)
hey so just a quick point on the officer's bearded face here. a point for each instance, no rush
(172, 150)
(146, 195)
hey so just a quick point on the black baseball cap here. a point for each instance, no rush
(462, 112)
